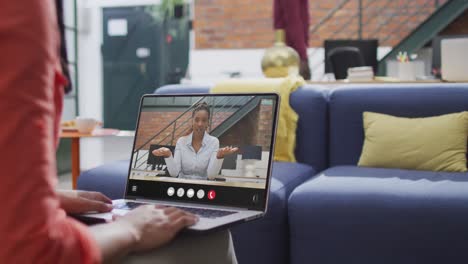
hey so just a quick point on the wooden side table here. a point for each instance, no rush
(75, 146)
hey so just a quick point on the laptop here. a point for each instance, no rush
(454, 59)
(221, 192)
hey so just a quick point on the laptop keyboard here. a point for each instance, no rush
(206, 213)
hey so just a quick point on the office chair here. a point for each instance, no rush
(342, 58)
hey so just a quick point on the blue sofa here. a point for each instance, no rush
(350, 214)
(325, 209)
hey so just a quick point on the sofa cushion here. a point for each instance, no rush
(110, 179)
(347, 104)
(380, 216)
(435, 143)
(310, 103)
(267, 240)
(178, 88)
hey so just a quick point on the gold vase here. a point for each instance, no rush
(280, 60)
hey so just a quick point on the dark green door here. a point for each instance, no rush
(131, 47)
(140, 53)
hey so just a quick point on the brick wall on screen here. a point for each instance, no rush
(247, 24)
(152, 123)
(243, 132)
(264, 126)
(253, 129)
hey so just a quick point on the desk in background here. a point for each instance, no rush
(75, 137)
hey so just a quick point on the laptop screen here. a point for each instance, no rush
(207, 149)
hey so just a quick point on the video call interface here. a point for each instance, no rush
(209, 149)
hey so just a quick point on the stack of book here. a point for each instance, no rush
(357, 74)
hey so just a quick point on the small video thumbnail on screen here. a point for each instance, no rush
(217, 140)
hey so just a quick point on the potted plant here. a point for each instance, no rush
(173, 8)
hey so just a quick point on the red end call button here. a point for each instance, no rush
(211, 195)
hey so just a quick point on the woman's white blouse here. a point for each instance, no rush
(186, 163)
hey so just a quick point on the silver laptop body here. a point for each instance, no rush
(239, 194)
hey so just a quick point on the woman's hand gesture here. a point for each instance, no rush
(162, 152)
(222, 152)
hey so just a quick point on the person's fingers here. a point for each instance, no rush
(101, 197)
(160, 151)
(169, 210)
(101, 207)
(97, 196)
(83, 205)
(179, 213)
(182, 222)
(174, 215)
(116, 217)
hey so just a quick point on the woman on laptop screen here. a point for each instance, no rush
(197, 155)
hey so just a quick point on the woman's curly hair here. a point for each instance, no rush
(201, 106)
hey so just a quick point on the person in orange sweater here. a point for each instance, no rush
(34, 226)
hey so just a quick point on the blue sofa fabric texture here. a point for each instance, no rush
(110, 179)
(372, 215)
(268, 238)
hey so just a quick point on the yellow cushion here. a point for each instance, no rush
(432, 143)
(287, 120)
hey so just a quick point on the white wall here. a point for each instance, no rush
(210, 65)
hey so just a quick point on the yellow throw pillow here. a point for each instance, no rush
(436, 143)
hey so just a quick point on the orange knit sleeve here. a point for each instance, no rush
(33, 227)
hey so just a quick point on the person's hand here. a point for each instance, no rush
(222, 152)
(153, 226)
(162, 152)
(76, 202)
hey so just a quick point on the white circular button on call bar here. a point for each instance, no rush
(180, 192)
(200, 194)
(170, 191)
(190, 193)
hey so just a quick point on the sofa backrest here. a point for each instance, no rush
(310, 104)
(347, 103)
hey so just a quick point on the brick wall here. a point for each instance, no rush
(253, 129)
(153, 122)
(264, 127)
(247, 24)
(243, 132)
